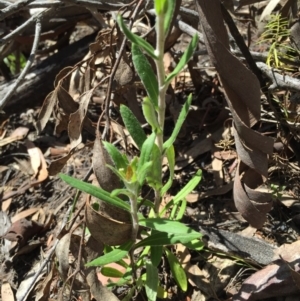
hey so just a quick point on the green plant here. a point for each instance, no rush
(11, 61)
(277, 191)
(276, 34)
(159, 233)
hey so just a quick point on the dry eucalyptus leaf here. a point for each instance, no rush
(110, 225)
(106, 178)
(252, 147)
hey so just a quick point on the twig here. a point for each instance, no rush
(11, 9)
(38, 29)
(19, 29)
(278, 80)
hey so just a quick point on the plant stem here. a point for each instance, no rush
(160, 44)
(134, 216)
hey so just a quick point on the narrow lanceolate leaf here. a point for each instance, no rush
(165, 225)
(150, 114)
(169, 15)
(119, 159)
(154, 176)
(195, 244)
(133, 126)
(189, 187)
(146, 73)
(156, 254)
(181, 118)
(151, 284)
(111, 272)
(164, 238)
(177, 270)
(160, 6)
(95, 191)
(170, 153)
(113, 256)
(145, 157)
(181, 210)
(136, 39)
(184, 59)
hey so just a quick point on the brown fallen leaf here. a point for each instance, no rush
(18, 134)
(38, 162)
(281, 278)
(21, 231)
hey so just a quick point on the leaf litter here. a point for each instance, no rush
(68, 141)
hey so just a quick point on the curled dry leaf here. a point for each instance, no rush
(109, 225)
(106, 178)
(242, 92)
(21, 231)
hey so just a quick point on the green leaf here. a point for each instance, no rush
(181, 118)
(156, 254)
(176, 213)
(160, 6)
(150, 114)
(189, 187)
(154, 178)
(146, 73)
(162, 293)
(127, 278)
(195, 244)
(181, 210)
(164, 238)
(133, 126)
(177, 270)
(184, 59)
(124, 191)
(111, 272)
(136, 39)
(113, 256)
(169, 226)
(151, 281)
(118, 158)
(170, 153)
(169, 15)
(145, 157)
(95, 191)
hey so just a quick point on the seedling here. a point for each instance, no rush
(159, 233)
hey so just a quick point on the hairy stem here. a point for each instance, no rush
(134, 217)
(160, 44)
